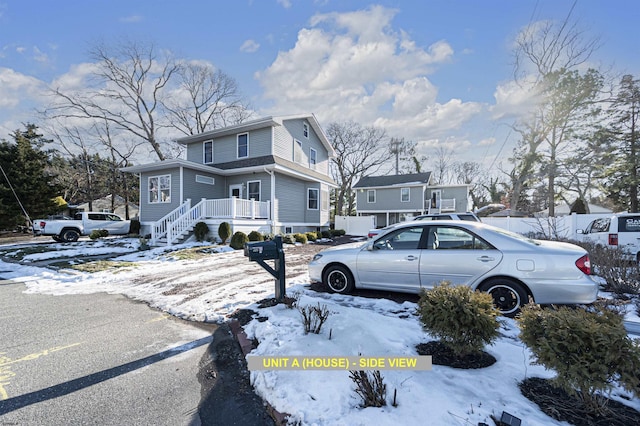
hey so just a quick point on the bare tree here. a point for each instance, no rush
(129, 82)
(359, 151)
(210, 99)
(544, 52)
(443, 163)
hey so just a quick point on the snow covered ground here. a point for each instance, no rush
(211, 287)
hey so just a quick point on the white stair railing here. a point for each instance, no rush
(159, 228)
(185, 223)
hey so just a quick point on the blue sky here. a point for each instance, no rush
(435, 72)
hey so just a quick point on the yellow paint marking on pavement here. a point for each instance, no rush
(160, 318)
(5, 362)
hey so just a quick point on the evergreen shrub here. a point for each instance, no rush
(311, 236)
(98, 233)
(201, 230)
(238, 240)
(224, 231)
(134, 227)
(255, 236)
(463, 319)
(326, 233)
(300, 238)
(589, 350)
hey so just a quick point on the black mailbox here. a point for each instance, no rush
(261, 250)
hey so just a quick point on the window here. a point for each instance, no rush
(312, 199)
(160, 189)
(371, 196)
(305, 130)
(254, 190)
(313, 158)
(297, 151)
(207, 152)
(443, 238)
(205, 179)
(404, 239)
(405, 195)
(288, 229)
(243, 145)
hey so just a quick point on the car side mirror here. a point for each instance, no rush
(580, 231)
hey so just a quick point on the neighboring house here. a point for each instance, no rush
(395, 198)
(564, 209)
(270, 175)
(104, 205)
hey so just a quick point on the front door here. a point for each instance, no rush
(235, 191)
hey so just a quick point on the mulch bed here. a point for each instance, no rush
(441, 354)
(556, 403)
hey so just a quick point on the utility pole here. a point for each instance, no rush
(395, 149)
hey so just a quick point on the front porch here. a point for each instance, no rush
(390, 217)
(180, 222)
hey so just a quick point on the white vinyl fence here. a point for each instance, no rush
(355, 225)
(562, 227)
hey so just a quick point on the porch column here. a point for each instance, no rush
(233, 207)
(253, 208)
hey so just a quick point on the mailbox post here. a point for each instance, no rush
(260, 251)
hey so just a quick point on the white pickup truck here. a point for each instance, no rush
(69, 230)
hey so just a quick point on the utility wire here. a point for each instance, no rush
(15, 195)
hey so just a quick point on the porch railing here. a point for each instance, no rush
(182, 220)
(444, 205)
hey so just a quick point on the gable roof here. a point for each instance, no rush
(394, 180)
(261, 123)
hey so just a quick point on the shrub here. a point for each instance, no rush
(288, 239)
(588, 350)
(311, 236)
(134, 227)
(463, 319)
(224, 231)
(326, 233)
(98, 233)
(300, 238)
(201, 230)
(255, 236)
(370, 387)
(622, 277)
(238, 240)
(337, 232)
(313, 317)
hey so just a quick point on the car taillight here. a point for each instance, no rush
(584, 264)
(613, 239)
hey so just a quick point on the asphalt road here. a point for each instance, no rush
(96, 359)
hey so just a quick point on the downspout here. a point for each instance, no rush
(272, 207)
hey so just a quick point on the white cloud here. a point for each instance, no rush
(17, 88)
(513, 99)
(356, 66)
(249, 46)
(285, 3)
(39, 55)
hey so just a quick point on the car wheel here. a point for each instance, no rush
(70, 235)
(508, 295)
(338, 279)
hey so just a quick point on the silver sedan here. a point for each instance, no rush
(415, 256)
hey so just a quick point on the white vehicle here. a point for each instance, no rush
(621, 231)
(83, 223)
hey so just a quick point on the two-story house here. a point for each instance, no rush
(269, 174)
(395, 198)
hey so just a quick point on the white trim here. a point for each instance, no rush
(313, 166)
(204, 152)
(159, 201)
(317, 198)
(207, 180)
(297, 149)
(259, 189)
(238, 145)
(374, 196)
(408, 200)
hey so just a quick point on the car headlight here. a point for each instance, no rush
(316, 257)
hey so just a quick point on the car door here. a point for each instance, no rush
(393, 261)
(456, 255)
(116, 225)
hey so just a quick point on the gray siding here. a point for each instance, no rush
(225, 149)
(459, 193)
(196, 190)
(285, 145)
(292, 199)
(388, 199)
(195, 152)
(265, 185)
(154, 211)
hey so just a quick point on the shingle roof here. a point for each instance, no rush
(393, 180)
